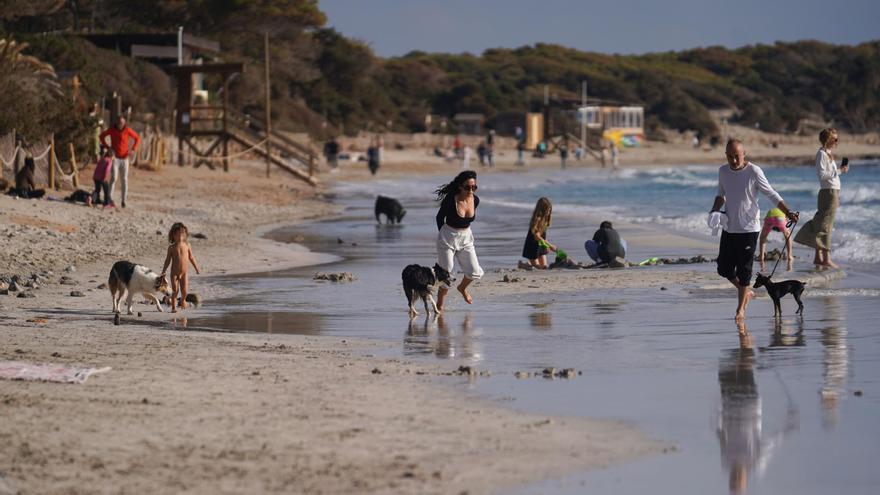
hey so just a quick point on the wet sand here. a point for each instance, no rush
(184, 409)
(655, 345)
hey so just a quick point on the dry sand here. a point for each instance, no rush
(236, 413)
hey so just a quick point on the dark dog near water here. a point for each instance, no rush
(778, 289)
(419, 281)
(391, 208)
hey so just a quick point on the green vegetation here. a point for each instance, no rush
(319, 75)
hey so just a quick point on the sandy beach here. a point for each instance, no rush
(205, 412)
(184, 409)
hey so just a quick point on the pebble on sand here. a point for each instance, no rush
(26, 294)
(76, 293)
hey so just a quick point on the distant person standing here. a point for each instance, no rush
(466, 157)
(331, 153)
(520, 146)
(563, 154)
(101, 177)
(490, 147)
(120, 138)
(373, 159)
(816, 233)
(456, 146)
(738, 185)
(615, 155)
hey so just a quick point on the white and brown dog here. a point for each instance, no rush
(129, 278)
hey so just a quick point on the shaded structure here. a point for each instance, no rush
(202, 120)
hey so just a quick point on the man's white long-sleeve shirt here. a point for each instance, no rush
(739, 188)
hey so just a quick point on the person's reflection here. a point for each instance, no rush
(422, 338)
(179, 322)
(835, 361)
(786, 334)
(464, 346)
(744, 447)
(541, 320)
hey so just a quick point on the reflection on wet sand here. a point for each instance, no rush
(606, 311)
(282, 322)
(388, 233)
(541, 320)
(433, 336)
(835, 361)
(745, 448)
(788, 334)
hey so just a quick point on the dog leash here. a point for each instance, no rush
(790, 227)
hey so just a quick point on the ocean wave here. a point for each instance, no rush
(855, 246)
(558, 208)
(848, 244)
(842, 292)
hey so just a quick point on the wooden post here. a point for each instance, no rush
(52, 162)
(268, 104)
(180, 149)
(225, 129)
(73, 166)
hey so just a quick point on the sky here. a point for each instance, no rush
(396, 27)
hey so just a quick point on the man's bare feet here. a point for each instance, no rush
(464, 293)
(830, 264)
(174, 310)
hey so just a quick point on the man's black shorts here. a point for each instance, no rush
(736, 255)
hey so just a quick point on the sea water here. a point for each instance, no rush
(779, 417)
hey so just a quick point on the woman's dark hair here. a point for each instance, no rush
(453, 187)
(605, 225)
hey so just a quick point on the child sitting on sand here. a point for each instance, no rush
(179, 257)
(536, 245)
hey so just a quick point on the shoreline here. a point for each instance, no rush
(307, 413)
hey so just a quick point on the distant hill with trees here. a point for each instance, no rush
(320, 76)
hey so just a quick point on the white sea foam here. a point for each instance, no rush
(843, 292)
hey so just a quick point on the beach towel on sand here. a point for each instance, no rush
(20, 370)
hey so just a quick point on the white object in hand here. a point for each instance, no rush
(716, 221)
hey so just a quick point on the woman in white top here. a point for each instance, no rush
(816, 233)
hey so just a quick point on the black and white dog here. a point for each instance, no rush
(129, 278)
(419, 281)
(391, 208)
(778, 289)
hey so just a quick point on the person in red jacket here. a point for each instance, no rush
(120, 137)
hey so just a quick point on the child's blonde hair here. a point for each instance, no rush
(174, 228)
(542, 216)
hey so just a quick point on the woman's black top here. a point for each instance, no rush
(448, 214)
(531, 249)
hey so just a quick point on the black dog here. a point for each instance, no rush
(418, 282)
(779, 289)
(391, 208)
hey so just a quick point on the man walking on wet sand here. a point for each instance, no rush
(738, 184)
(119, 143)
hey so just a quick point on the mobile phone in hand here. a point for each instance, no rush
(845, 162)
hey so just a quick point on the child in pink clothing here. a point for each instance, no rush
(102, 177)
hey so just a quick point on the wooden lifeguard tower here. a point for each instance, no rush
(200, 120)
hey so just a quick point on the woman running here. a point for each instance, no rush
(458, 208)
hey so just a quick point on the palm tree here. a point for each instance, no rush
(21, 73)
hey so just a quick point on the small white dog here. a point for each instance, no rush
(129, 278)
